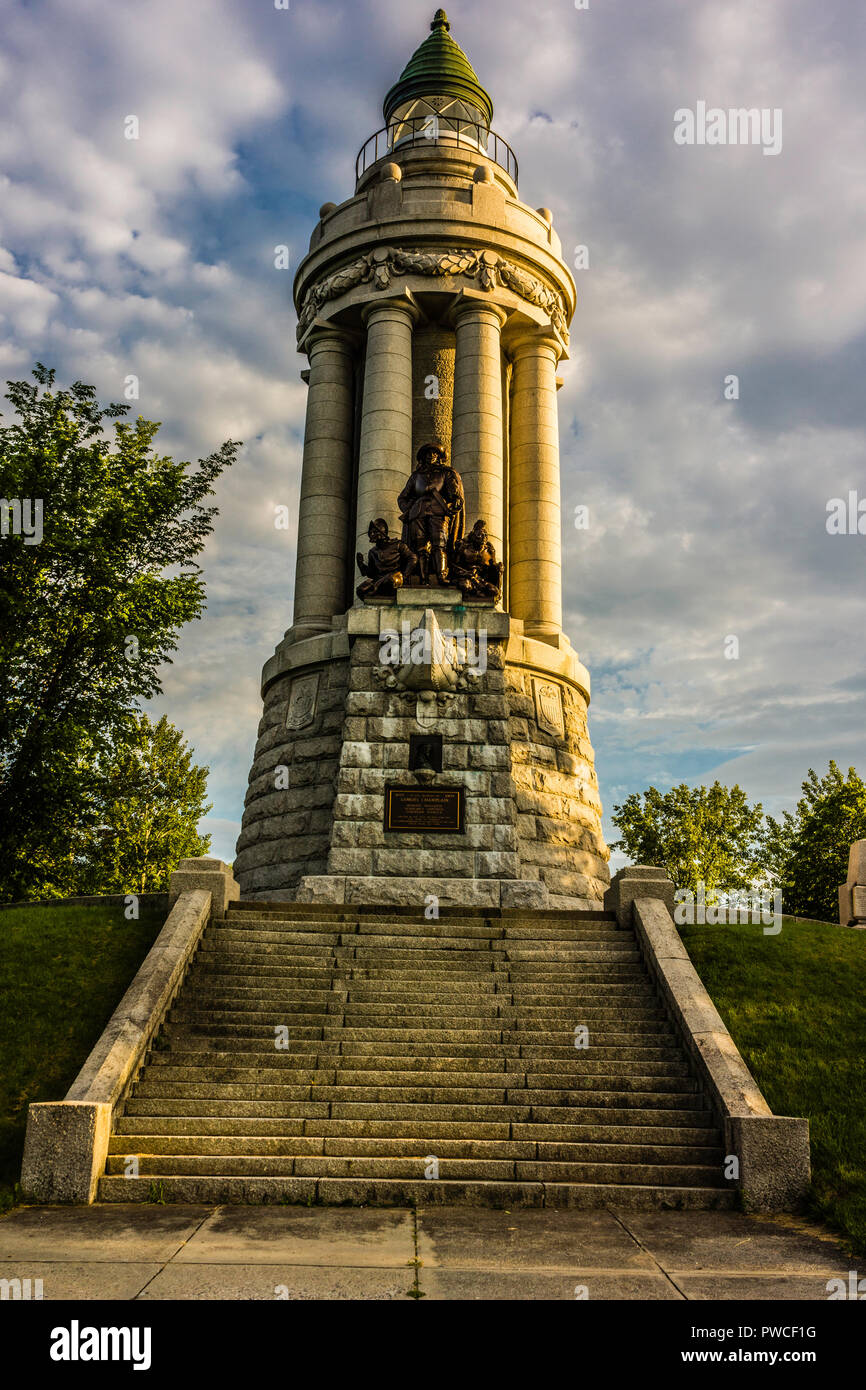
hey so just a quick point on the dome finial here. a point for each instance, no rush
(439, 68)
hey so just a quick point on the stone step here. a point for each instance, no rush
(276, 978)
(154, 1146)
(488, 981)
(265, 929)
(616, 985)
(308, 943)
(373, 948)
(490, 992)
(516, 1029)
(130, 1126)
(531, 973)
(366, 1014)
(625, 954)
(589, 1090)
(435, 1041)
(486, 985)
(461, 968)
(394, 960)
(444, 927)
(532, 927)
(490, 1003)
(513, 1025)
(449, 912)
(271, 1067)
(329, 1054)
(491, 1169)
(218, 937)
(638, 1109)
(203, 1107)
(402, 1192)
(150, 1127)
(499, 1031)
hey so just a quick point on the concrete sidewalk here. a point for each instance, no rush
(259, 1252)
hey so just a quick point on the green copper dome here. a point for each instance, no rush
(439, 68)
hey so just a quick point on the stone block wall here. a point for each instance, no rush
(286, 830)
(556, 793)
(532, 810)
(475, 756)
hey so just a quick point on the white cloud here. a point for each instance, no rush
(155, 257)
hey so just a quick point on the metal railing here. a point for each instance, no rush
(436, 130)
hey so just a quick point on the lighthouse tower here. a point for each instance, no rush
(425, 717)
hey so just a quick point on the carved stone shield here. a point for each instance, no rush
(302, 701)
(548, 707)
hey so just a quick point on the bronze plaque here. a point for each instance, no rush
(432, 810)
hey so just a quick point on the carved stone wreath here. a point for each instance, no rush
(379, 266)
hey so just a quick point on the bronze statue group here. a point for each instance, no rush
(434, 548)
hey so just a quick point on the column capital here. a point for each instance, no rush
(395, 307)
(325, 335)
(535, 340)
(323, 330)
(467, 306)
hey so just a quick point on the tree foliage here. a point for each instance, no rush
(807, 851)
(699, 834)
(89, 615)
(152, 797)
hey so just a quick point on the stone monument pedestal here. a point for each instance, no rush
(503, 716)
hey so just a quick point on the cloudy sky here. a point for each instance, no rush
(155, 257)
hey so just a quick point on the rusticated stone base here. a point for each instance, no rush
(555, 791)
(404, 892)
(515, 740)
(287, 821)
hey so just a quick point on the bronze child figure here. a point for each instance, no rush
(389, 562)
(475, 567)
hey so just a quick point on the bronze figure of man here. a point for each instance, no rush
(432, 506)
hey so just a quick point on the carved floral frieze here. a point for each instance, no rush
(488, 269)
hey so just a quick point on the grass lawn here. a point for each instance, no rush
(795, 1005)
(63, 971)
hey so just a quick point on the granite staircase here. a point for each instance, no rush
(428, 1061)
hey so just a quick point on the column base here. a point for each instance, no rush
(551, 633)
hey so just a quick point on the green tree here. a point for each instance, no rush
(89, 614)
(699, 834)
(807, 851)
(152, 797)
